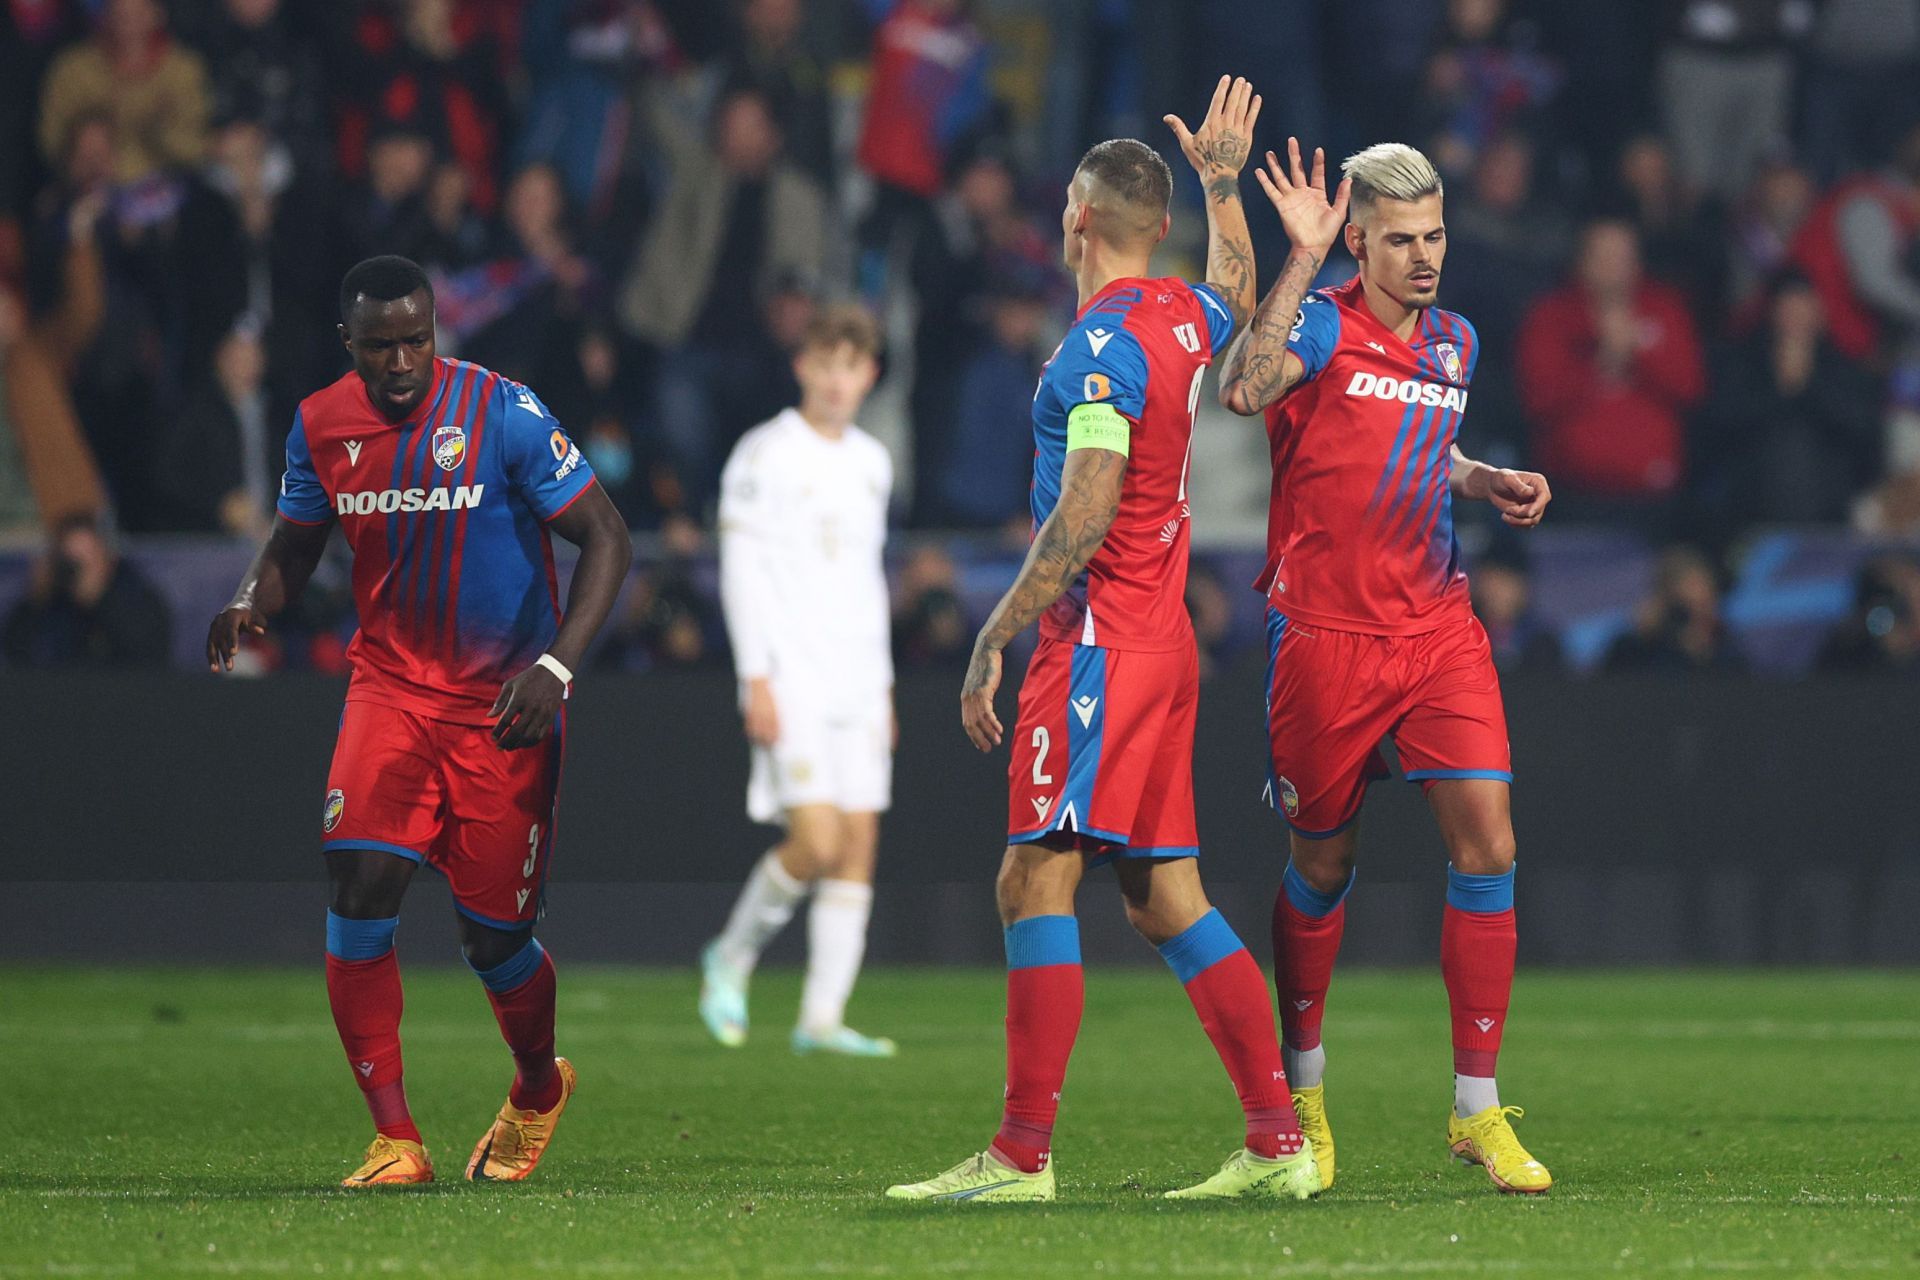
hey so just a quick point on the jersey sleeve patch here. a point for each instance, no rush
(543, 462)
(1098, 426)
(303, 499)
(1219, 315)
(1102, 364)
(1316, 332)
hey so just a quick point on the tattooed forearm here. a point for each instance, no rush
(1089, 501)
(1230, 247)
(1255, 372)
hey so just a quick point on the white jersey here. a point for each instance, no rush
(803, 530)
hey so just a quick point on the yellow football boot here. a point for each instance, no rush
(1295, 1177)
(517, 1140)
(392, 1162)
(980, 1179)
(1310, 1108)
(1487, 1139)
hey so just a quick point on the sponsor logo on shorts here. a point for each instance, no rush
(1040, 806)
(520, 899)
(336, 805)
(1289, 797)
(800, 772)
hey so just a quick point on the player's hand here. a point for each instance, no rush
(1310, 220)
(223, 637)
(527, 707)
(762, 717)
(1220, 146)
(1521, 497)
(976, 698)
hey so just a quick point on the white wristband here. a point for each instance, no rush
(552, 664)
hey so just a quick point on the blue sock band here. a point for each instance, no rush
(1204, 943)
(514, 970)
(1040, 940)
(1309, 901)
(1482, 895)
(359, 939)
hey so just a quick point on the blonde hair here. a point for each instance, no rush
(1390, 171)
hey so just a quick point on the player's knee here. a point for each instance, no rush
(486, 948)
(366, 898)
(1326, 865)
(1010, 891)
(1483, 852)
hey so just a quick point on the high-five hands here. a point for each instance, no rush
(1220, 146)
(1310, 220)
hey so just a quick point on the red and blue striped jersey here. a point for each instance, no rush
(1142, 346)
(1360, 523)
(447, 516)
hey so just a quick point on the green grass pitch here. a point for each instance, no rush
(193, 1123)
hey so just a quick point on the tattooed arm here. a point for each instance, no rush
(1218, 151)
(1259, 368)
(1089, 500)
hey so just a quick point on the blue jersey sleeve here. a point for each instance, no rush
(1219, 316)
(1101, 365)
(1316, 332)
(303, 499)
(544, 465)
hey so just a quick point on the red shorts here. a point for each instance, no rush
(1334, 696)
(1104, 748)
(443, 794)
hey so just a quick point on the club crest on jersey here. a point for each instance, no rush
(449, 446)
(1449, 360)
(336, 805)
(1289, 797)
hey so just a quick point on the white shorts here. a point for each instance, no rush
(844, 760)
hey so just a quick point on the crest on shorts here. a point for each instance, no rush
(1449, 360)
(1289, 797)
(449, 446)
(336, 805)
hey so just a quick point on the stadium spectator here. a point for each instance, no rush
(738, 219)
(930, 623)
(1882, 633)
(42, 363)
(986, 459)
(1487, 78)
(31, 34)
(1210, 606)
(264, 66)
(1522, 640)
(86, 607)
(928, 94)
(1608, 367)
(519, 307)
(1792, 426)
(1678, 627)
(1858, 249)
(18, 511)
(1681, 236)
(219, 464)
(664, 622)
(772, 56)
(1760, 237)
(385, 211)
(1726, 87)
(153, 89)
(1862, 76)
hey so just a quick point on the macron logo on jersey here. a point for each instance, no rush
(1098, 340)
(1408, 391)
(387, 501)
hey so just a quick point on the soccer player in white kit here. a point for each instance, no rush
(803, 525)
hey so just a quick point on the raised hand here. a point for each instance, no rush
(1220, 146)
(1311, 221)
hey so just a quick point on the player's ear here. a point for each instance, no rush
(1356, 242)
(345, 340)
(1166, 225)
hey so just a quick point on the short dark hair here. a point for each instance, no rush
(1132, 170)
(384, 279)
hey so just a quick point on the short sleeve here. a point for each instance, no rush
(1316, 332)
(1101, 365)
(543, 463)
(303, 499)
(1219, 315)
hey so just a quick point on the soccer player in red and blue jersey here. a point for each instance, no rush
(1370, 634)
(445, 479)
(1102, 766)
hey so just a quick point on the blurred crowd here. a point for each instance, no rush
(1687, 230)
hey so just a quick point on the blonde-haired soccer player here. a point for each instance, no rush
(1370, 632)
(803, 524)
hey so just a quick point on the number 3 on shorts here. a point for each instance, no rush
(533, 852)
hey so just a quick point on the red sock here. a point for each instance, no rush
(525, 1014)
(1046, 988)
(1230, 995)
(1476, 959)
(365, 995)
(1304, 948)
